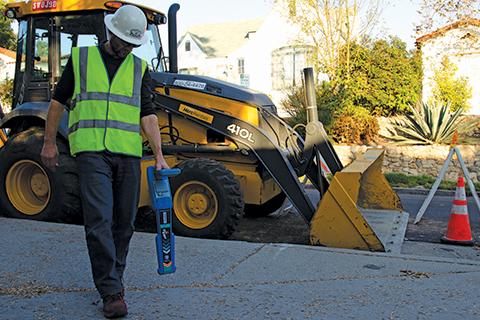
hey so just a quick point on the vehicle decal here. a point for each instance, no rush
(190, 84)
(208, 118)
(44, 5)
(241, 132)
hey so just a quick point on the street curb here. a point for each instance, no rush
(419, 191)
(400, 256)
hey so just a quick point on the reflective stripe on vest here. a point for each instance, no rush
(105, 115)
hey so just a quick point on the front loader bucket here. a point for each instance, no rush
(360, 210)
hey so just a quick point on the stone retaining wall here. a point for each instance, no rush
(418, 160)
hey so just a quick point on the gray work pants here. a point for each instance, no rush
(110, 189)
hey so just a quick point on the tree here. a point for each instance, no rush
(7, 37)
(387, 77)
(450, 90)
(385, 80)
(437, 13)
(41, 49)
(332, 25)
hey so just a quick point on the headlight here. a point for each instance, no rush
(160, 19)
(11, 14)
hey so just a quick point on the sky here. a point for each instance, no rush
(398, 18)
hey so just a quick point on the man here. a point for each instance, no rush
(111, 100)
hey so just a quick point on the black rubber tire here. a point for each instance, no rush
(227, 190)
(263, 210)
(64, 204)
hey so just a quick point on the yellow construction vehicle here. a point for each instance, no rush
(236, 154)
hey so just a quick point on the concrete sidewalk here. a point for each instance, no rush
(45, 274)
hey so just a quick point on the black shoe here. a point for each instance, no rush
(114, 306)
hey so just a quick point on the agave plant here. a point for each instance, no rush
(429, 124)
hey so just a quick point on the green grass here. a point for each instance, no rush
(401, 180)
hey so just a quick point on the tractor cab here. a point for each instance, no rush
(48, 30)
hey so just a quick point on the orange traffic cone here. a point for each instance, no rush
(458, 230)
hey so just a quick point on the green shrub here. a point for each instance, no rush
(343, 121)
(354, 125)
(6, 94)
(382, 76)
(429, 124)
(329, 101)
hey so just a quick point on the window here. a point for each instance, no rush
(187, 45)
(287, 66)
(78, 31)
(40, 50)
(22, 44)
(150, 50)
(21, 59)
(241, 66)
(83, 40)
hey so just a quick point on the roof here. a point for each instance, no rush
(8, 53)
(452, 26)
(219, 40)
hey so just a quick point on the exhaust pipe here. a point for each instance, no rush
(310, 97)
(316, 139)
(172, 38)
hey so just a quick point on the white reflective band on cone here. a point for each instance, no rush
(462, 210)
(460, 194)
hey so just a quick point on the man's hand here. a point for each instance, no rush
(160, 163)
(49, 155)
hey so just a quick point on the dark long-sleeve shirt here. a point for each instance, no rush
(66, 85)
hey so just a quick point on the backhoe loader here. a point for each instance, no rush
(237, 156)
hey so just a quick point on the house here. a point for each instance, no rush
(266, 55)
(460, 43)
(205, 49)
(7, 64)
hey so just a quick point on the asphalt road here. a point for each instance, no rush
(289, 227)
(435, 220)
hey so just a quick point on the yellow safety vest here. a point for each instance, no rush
(105, 115)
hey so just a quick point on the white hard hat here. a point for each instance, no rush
(129, 24)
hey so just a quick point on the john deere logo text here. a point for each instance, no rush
(196, 113)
